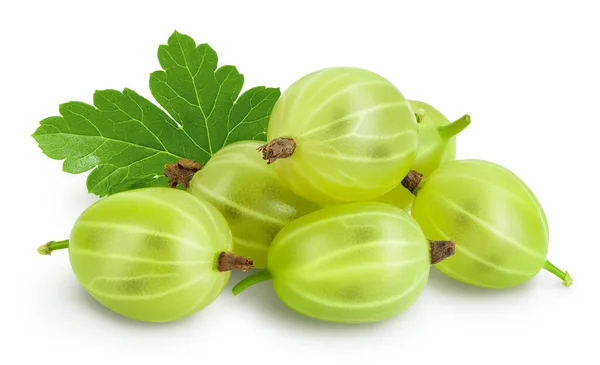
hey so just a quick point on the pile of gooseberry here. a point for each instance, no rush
(355, 196)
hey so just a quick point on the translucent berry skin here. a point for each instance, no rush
(355, 134)
(498, 224)
(251, 197)
(150, 254)
(435, 150)
(351, 263)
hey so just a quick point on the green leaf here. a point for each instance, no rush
(126, 140)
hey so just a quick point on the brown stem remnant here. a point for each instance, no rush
(420, 114)
(278, 148)
(181, 173)
(412, 180)
(441, 250)
(229, 261)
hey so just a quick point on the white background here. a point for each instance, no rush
(526, 72)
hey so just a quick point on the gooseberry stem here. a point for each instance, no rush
(47, 248)
(454, 128)
(182, 172)
(277, 148)
(255, 278)
(228, 261)
(441, 250)
(412, 181)
(564, 276)
(420, 114)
